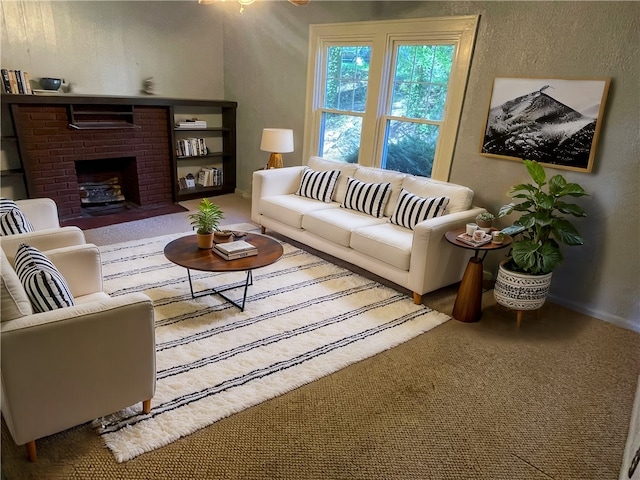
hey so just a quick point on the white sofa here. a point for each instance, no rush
(420, 260)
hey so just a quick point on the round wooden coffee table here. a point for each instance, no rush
(184, 251)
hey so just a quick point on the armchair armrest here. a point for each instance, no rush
(71, 365)
(47, 239)
(434, 261)
(81, 267)
(41, 212)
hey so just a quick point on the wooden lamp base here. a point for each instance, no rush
(275, 161)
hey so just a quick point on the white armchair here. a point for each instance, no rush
(64, 367)
(42, 213)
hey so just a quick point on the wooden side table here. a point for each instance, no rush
(468, 305)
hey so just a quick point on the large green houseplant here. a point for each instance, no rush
(205, 222)
(538, 233)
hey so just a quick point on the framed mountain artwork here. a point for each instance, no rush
(553, 121)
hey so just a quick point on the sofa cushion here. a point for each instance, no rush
(369, 198)
(387, 242)
(45, 286)
(412, 209)
(337, 224)
(13, 298)
(289, 209)
(460, 197)
(379, 175)
(319, 164)
(318, 185)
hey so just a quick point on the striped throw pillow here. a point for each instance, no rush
(45, 286)
(318, 185)
(369, 198)
(12, 220)
(412, 209)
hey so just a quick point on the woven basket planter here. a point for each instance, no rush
(520, 291)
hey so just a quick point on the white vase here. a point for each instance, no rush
(520, 291)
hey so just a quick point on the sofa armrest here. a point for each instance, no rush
(41, 212)
(81, 267)
(43, 240)
(432, 256)
(275, 181)
(71, 365)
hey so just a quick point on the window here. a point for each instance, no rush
(388, 94)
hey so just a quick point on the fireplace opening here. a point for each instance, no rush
(107, 185)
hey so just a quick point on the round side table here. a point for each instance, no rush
(468, 305)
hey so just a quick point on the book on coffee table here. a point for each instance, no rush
(235, 247)
(235, 256)
(468, 239)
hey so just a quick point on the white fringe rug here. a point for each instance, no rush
(304, 318)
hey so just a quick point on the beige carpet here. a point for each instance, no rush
(552, 400)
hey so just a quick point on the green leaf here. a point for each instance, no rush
(573, 189)
(556, 184)
(565, 232)
(571, 208)
(506, 210)
(536, 171)
(513, 230)
(524, 254)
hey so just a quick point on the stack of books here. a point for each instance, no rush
(191, 147)
(235, 250)
(189, 124)
(210, 177)
(16, 81)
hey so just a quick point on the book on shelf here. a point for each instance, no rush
(191, 147)
(210, 177)
(468, 239)
(6, 83)
(187, 124)
(234, 256)
(235, 247)
(16, 82)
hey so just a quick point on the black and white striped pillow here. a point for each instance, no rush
(369, 198)
(12, 220)
(318, 185)
(412, 209)
(45, 286)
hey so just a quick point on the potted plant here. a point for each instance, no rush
(484, 221)
(524, 279)
(205, 222)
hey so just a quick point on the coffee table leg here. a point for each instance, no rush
(248, 281)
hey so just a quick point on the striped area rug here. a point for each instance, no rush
(304, 318)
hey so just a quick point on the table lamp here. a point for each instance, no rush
(276, 141)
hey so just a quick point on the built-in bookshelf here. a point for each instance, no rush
(204, 139)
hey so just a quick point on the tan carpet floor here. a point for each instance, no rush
(551, 400)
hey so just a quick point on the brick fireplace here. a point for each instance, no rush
(53, 151)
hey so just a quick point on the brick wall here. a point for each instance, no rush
(50, 149)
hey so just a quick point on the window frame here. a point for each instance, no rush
(383, 36)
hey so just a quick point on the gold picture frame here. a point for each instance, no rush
(554, 121)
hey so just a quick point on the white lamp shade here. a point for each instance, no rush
(277, 140)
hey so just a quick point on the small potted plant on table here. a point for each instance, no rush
(524, 279)
(205, 222)
(484, 221)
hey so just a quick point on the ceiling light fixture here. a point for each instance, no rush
(244, 3)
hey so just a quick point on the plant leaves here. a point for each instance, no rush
(536, 171)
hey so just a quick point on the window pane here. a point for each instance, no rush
(340, 137)
(420, 81)
(410, 147)
(346, 78)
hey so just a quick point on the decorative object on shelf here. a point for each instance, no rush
(484, 221)
(527, 274)
(552, 121)
(148, 86)
(205, 222)
(277, 141)
(48, 83)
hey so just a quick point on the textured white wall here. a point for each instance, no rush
(109, 48)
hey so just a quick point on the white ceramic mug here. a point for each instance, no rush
(471, 228)
(478, 235)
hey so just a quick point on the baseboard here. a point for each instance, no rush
(607, 317)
